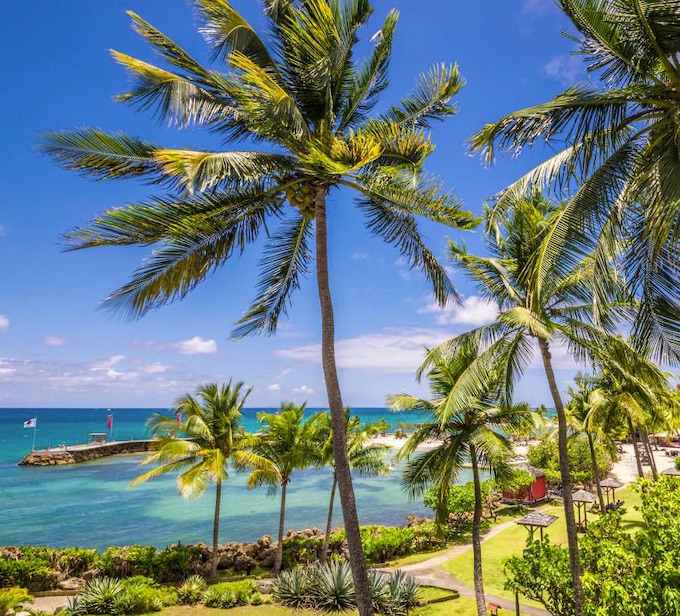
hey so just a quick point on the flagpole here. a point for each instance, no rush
(35, 429)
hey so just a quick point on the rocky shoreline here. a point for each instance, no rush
(83, 453)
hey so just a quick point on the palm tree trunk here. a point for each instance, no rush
(342, 469)
(650, 453)
(633, 438)
(329, 523)
(596, 473)
(572, 538)
(278, 561)
(476, 539)
(216, 529)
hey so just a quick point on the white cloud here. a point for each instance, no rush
(274, 387)
(284, 372)
(156, 368)
(4, 323)
(54, 341)
(360, 256)
(106, 364)
(565, 69)
(390, 351)
(303, 389)
(196, 346)
(535, 8)
(473, 310)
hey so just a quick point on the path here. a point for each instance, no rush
(431, 573)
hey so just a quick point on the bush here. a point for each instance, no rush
(12, 598)
(230, 594)
(330, 588)
(460, 503)
(191, 591)
(677, 464)
(136, 595)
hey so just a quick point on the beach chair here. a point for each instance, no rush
(493, 608)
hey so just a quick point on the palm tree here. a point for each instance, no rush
(542, 301)
(303, 95)
(466, 426)
(618, 141)
(582, 415)
(213, 442)
(288, 441)
(366, 457)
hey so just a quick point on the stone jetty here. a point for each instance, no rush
(75, 454)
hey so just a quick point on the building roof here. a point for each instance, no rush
(581, 496)
(537, 518)
(536, 472)
(610, 482)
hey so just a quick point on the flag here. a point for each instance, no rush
(179, 417)
(109, 421)
(31, 423)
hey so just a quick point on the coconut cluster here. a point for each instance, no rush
(300, 196)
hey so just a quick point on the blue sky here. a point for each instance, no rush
(58, 349)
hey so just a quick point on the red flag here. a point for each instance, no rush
(109, 421)
(179, 417)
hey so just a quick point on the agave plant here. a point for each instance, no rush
(380, 592)
(191, 591)
(333, 588)
(292, 587)
(101, 596)
(404, 594)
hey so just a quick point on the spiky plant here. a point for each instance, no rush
(292, 588)
(303, 95)
(333, 588)
(191, 590)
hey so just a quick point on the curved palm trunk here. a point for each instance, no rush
(278, 561)
(596, 474)
(342, 469)
(216, 529)
(650, 453)
(633, 439)
(329, 522)
(572, 538)
(476, 537)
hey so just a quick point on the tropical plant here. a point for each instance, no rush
(191, 590)
(11, 599)
(465, 423)
(302, 94)
(617, 142)
(210, 421)
(366, 457)
(230, 594)
(460, 502)
(289, 442)
(548, 301)
(582, 418)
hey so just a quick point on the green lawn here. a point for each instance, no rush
(511, 542)
(464, 606)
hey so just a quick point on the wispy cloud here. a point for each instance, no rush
(537, 8)
(472, 310)
(4, 323)
(54, 341)
(304, 390)
(274, 387)
(196, 346)
(155, 368)
(392, 350)
(565, 69)
(360, 256)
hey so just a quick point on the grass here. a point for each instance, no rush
(465, 606)
(511, 542)
(430, 593)
(413, 559)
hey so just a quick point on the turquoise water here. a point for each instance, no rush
(91, 505)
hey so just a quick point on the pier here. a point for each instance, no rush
(75, 454)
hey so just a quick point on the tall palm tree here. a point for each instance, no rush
(618, 141)
(302, 94)
(466, 426)
(213, 443)
(582, 418)
(289, 442)
(367, 458)
(546, 302)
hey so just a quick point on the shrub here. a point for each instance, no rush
(122, 562)
(136, 595)
(230, 594)
(677, 464)
(191, 591)
(330, 588)
(12, 598)
(172, 563)
(100, 596)
(460, 503)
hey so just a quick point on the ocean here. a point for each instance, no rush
(91, 504)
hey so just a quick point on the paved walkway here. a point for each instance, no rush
(431, 573)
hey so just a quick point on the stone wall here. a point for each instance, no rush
(75, 455)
